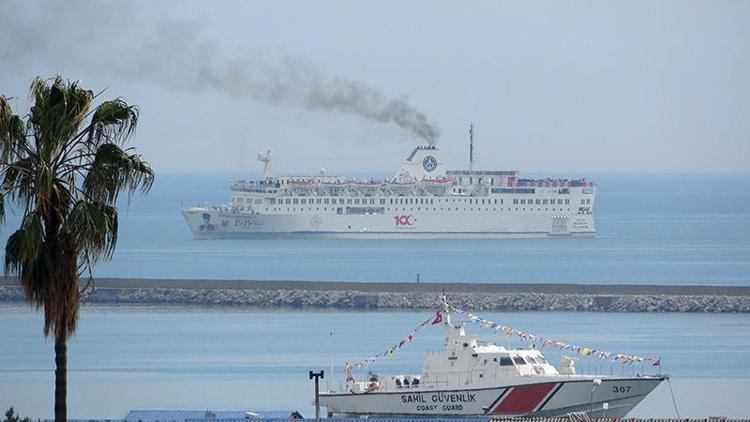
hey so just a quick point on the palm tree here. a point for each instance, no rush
(65, 164)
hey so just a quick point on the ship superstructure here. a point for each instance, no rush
(422, 200)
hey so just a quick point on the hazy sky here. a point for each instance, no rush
(559, 87)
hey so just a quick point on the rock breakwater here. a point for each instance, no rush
(366, 298)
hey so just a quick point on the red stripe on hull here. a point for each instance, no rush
(524, 398)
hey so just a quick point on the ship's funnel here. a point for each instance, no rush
(425, 162)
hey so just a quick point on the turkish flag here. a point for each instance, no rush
(438, 318)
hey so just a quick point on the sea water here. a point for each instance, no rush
(652, 228)
(171, 357)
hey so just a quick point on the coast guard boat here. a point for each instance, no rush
(422, 200)
(473, 379)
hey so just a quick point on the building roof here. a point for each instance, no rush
(192, 415)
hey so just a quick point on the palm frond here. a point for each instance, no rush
(94, 229)
(58, 112)
(24, 247)
(19, 179)
(114, 170)
(12, 132)
(113, 121)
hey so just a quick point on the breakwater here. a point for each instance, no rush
(402, 296)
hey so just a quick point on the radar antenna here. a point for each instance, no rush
(265, 158)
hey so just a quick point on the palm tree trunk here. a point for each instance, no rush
(61, 378)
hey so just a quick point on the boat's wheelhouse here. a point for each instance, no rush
(464, 362)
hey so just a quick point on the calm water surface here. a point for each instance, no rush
(126, 358)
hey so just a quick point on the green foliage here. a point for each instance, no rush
(12, 416)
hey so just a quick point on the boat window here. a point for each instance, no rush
(519, 360)
(506, 361)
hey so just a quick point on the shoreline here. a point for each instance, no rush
(405, 296)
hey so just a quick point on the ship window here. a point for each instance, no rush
(538, 202)
(304, 201)
(296, 201)
(567, 202)
(544, 202)
(506, 361)
(515, 201)
(519, 360)
(523, 202)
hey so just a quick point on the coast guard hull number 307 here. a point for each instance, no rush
(423, 200)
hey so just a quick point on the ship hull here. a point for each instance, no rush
(212, 223)
(552, 397)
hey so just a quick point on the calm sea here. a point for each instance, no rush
(126, 358)
(653, 228)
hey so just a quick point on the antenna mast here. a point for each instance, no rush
(471, 146)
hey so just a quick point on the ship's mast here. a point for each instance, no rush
(471, 146)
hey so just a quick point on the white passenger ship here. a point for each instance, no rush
(472, 379)
(422, 200)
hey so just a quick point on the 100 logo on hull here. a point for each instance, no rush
(404, 220)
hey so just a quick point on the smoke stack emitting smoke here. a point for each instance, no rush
(180, 57)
